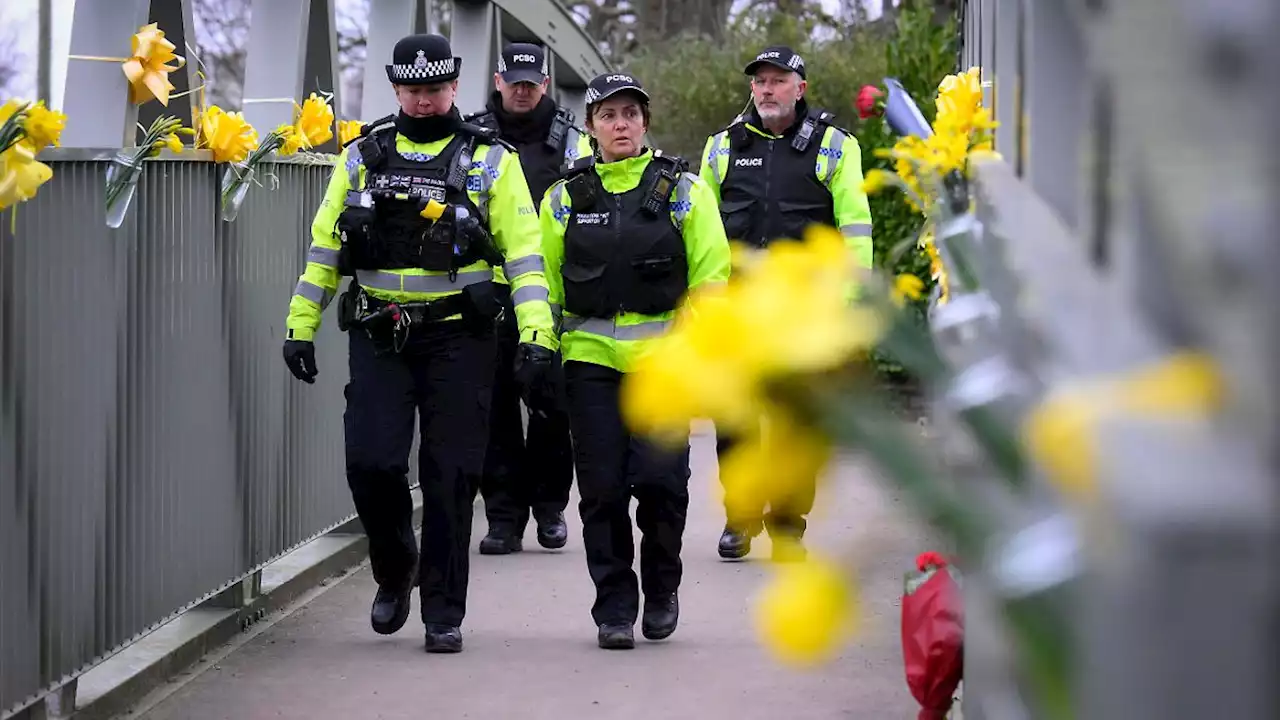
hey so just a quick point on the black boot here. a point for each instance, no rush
(616, 637)
(734, 545)
(391, 608)
(501, 541)
(443, 639)
(553, 533)
(660, 616)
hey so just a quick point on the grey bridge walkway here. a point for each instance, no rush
(530, 645)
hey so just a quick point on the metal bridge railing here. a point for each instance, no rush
(154, 449)
(1127, 221)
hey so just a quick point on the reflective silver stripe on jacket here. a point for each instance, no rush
(314, 293)
(323, 255)
(713, 156)
(522, 265)
(493, 160)
(392, 282)
(833, 158)
(682, 206)
(607, 327)
(529, 293)
(856, 230)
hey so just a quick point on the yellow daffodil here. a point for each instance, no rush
(42, 126)
(173, 142)
(228, 135)
(314, 124)
(348, 130)
(1059, 433)
(20, 175)
(148, 69)
(291, 140)
(907, 287)
(787, 313)
(779, 459)
(806, 612)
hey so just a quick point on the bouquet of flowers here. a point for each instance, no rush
(126, 167)
(25, 130)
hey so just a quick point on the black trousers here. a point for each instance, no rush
(444, 375)
(783, 516)
(522, 474)
(613, 467)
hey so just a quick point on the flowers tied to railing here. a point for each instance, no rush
(25, 130)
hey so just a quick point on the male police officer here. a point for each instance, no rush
(536, 475)
(418, 210)
(776, 169)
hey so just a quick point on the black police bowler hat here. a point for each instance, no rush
(610, 84)
(423, 60)
(523, 62)
(779, 56)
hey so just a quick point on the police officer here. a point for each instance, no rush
(625, 235)
(776, 169)
(520, 477)
(418, 210)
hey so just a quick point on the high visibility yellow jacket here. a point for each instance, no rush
(838, 167)
(579, 146)
(618, 341)
(495, 184)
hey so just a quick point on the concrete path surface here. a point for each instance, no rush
(530, 648)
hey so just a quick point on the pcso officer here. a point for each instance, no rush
(625, 235)
(776, 169)
(520, 476)
(419, 210)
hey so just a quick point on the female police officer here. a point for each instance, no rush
(626, 233)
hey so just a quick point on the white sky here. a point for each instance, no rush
(21, 14)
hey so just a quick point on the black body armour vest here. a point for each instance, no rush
(381, 227)
(770, 188)
(543, 161)
(622, 253)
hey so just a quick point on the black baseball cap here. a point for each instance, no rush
(523, 62)
(612, 83)
(778, 56)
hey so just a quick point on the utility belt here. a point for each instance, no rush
(390, 324)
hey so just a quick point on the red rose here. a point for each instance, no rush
(868, 101)
(925, 560)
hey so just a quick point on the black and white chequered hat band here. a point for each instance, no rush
(423, 69)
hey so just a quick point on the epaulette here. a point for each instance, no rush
(488, 136)
(577, 167)
(483, 118)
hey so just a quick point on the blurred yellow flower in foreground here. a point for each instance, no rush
(1060, 432)
(786, 312)
(807, 611)
(779, 459)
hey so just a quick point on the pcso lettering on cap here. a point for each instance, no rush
(524, 58)
(619, 78)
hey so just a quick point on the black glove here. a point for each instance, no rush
(532, 374)
(300, 356)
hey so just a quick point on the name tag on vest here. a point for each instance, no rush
(596, 218)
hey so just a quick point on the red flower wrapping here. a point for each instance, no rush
(932, 636)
